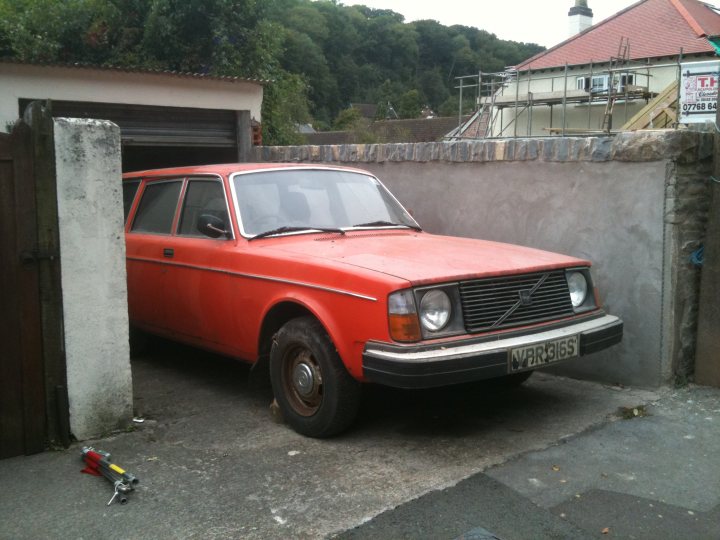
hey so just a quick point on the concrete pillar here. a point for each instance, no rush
(92, 255)
(707, 368)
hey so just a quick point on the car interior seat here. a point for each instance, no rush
(295, 206)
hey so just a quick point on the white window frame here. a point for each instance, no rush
(594, 83)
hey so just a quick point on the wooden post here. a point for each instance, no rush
(48, 266)
(707, 357)
(244, 136)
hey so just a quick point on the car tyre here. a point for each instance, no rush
(316, 394)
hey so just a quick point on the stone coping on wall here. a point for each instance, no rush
(639, 146)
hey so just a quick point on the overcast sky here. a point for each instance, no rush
(533, 21)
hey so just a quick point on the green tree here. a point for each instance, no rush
(51, 31)
(285, 105)
(433, 87)
(302, 56)
(222, 37)
(347, 119)
(410, 104)
(450, 107)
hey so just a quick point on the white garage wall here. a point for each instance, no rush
(23, 81)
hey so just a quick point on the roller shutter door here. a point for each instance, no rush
(152, 126)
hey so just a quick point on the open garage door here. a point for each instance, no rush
(154, 136)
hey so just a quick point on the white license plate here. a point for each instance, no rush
(542, 354)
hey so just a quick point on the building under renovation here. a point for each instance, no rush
(620, 74)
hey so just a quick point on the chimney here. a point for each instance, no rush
(580, 17)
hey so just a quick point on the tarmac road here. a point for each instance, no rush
(425, 464)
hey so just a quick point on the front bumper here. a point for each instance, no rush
(425, 366)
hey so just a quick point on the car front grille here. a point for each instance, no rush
(510, 301)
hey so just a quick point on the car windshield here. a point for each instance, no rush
(294, 201)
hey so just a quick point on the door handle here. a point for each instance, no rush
(168, 252)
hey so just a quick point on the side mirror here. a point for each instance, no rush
(211, 226)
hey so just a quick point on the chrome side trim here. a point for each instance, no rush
(447, 351)
(256, 276)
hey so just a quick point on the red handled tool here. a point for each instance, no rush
(97, 463)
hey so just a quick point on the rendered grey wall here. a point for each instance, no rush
(92, 254)
(608, 213)
(635, 205)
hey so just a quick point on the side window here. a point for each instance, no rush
(129, 190)
(202, 197)
(157, 207)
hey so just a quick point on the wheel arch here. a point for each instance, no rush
(332, 315)
(274, 319)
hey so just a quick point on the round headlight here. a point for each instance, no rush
(578, 288)
(435, 310)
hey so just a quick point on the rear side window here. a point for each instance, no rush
(157, 207)
(129, 190)
(202, 197)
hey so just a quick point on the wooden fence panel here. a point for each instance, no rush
(33, 398)
(23, 423)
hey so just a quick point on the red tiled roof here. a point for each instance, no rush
(654, 28)
(414, 129)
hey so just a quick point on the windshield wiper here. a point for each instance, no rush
(381, 223)
(287, 229)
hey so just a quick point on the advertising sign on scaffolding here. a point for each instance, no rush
(699, 92)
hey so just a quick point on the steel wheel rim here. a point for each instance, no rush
(302, 380)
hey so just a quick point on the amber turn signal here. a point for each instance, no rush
(404, 327)
(402, 316)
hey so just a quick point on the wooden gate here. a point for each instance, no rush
(33, 395)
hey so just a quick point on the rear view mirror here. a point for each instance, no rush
(211, 226)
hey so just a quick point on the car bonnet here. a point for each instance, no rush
(422, 258)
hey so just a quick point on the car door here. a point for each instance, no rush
(199, 281)
(148, 251)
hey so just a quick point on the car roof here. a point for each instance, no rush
(229, 168)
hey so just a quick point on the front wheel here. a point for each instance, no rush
(316, 394)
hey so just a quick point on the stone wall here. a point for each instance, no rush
(634, 204)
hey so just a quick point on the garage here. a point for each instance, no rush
(166, 118)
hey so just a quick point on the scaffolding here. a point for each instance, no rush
(617, 82)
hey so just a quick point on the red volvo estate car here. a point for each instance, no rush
(321, 272)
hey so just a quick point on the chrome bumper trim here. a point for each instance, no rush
(447, 351)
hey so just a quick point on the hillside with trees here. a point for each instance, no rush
(320, 55)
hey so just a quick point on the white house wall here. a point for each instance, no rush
(19, 81)
(577, 115)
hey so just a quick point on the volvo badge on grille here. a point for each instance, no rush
(526, 297)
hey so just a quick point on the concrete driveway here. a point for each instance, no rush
(213, 464)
